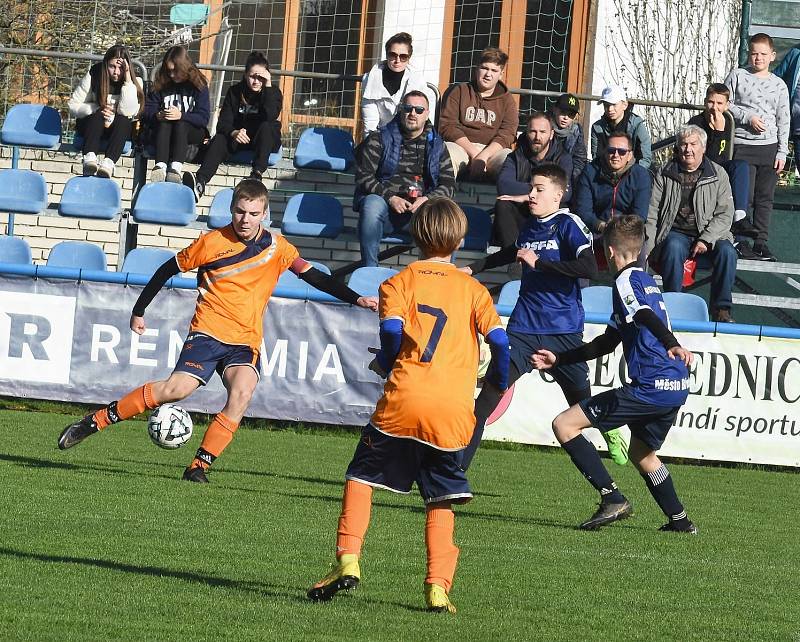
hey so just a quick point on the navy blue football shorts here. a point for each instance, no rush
(572, 377)
(202, 356)
(614, 408)
(395, 463)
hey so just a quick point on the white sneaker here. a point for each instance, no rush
(106, 168)
(89, 164)
(158, 174)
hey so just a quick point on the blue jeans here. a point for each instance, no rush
(675, 250)
(374, 223)
(739, 174)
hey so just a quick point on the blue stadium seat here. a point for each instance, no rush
(597, 299)
(367, 280)
(509, 294)
(14, 249)
(684, 306)
(32, 126)
(479, 228)
(324, 148)
(77, 143)
(77, 254)
(145, 260)
(316, 215)
(164, 204)
(294, 287)
(22, 191)
(219, 214)
(91, 197)
(245, 157)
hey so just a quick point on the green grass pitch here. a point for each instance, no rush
(103, 542)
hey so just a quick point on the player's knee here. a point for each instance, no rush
(175, 390)
(563, 428)
(240, 396)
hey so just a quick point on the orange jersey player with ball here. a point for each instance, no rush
(238, 267)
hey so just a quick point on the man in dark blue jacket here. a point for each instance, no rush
(612, 185)
(536, 146)
(398, 168)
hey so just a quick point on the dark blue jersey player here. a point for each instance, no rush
(657, 367)
(555, 249)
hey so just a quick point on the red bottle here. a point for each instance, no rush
(415, 190)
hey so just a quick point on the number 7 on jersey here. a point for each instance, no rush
(436, 333)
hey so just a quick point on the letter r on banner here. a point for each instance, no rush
(36, 336)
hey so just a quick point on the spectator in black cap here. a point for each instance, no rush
(569, 131)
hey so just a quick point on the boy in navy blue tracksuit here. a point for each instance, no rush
(177, 109)
(555, 249)
(658, 370)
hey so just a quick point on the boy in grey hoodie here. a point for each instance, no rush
(760, 108)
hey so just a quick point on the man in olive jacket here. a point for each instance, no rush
(690, 214)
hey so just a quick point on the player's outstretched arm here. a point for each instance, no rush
(163, 274)
(599, 346)
(645, 317)
(582, 267)
(505, 256)
(326, 283)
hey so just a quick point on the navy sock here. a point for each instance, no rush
(584, 455)
(660, 485)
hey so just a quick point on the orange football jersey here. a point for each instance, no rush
(429, 395)
(235, 280)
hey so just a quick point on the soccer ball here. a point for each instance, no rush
(169, 426)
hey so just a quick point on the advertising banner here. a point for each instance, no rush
(742, 405)
(64, 340)
(71, 341)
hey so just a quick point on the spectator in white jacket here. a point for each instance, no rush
(104, 104)
(387, 82)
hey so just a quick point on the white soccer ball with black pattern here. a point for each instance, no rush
(169, 426)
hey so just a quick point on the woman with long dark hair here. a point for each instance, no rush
(177, 110)
(248, 120)
(104, 104)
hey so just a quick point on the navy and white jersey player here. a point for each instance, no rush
(656, 378)
(555, 250)
(649, 404)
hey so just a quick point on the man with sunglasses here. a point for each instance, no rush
(398, 168)
(613, 184)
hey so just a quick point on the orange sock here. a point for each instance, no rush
(217, 437)
(442, 553)
(354, 520)
(129, 406)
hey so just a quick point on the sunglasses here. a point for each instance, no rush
(256, 77)
(409, 108)
(612, 151)
(398, 56)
